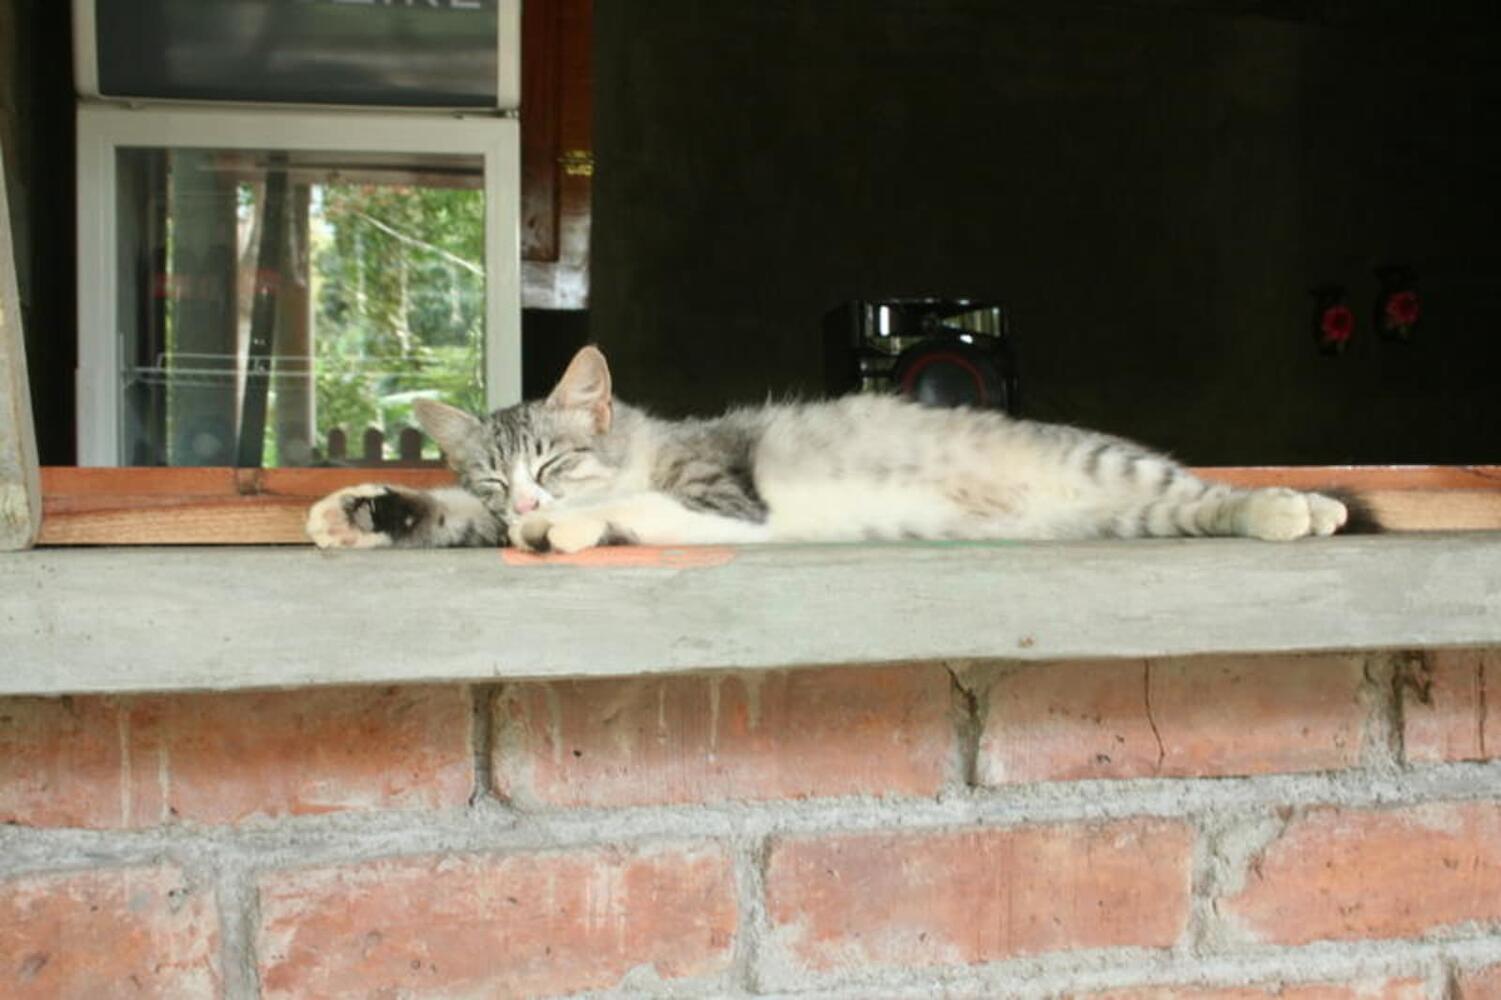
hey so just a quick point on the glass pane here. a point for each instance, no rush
(434, 53)
(280, 306)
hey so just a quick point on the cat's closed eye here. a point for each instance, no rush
(558, 465)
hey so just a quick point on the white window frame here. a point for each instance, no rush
(507, 62)
(105, 129)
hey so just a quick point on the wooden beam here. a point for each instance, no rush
(1379, 478)
(20, 487)
(169, 506)
(196, 506)
(1402, 497)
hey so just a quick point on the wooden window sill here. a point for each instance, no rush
(173, 506)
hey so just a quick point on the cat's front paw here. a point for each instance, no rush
(367, 516)
(540, 531)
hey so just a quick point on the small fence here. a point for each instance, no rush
(373, 451)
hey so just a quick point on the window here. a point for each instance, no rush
(251, 281)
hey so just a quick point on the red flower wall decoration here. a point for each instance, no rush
(1337, 324)
(1398, 306)
(1402, 309)
(1333, 322)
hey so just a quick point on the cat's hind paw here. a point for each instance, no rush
(1282, 515)
(367, 516)
(1326, 514)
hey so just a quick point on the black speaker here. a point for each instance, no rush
(942, 352)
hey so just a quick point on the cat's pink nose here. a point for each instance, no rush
(524, 504)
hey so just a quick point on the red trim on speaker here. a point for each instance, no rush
(925, 360)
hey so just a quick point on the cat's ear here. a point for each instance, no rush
(586, 386)
(451, 428)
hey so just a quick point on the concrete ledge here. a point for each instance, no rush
(157, 619)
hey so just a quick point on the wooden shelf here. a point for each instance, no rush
(159, 619)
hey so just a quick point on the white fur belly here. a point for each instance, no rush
(831, 511)
(876, 468)
(956, 508)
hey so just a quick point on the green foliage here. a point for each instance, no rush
(398, 276)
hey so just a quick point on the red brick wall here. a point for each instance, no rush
(1230, 828)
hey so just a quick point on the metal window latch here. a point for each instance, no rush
(577, 162)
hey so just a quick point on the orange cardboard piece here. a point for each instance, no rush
(632, 556)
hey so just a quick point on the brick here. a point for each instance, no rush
(1405, 989)
(1458, 721)
(1198, 716)
(134, 932)
(970, 896)
(1479, 984)
(1341, 874)
(223, 758)
(1393, 989)
(60, 762)
(516, 926)
(779, 734)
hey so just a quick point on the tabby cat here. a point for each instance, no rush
(581, 468)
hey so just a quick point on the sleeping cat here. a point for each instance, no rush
(581, 468)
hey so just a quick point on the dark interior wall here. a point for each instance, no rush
(36, 133)
(1153, 187)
